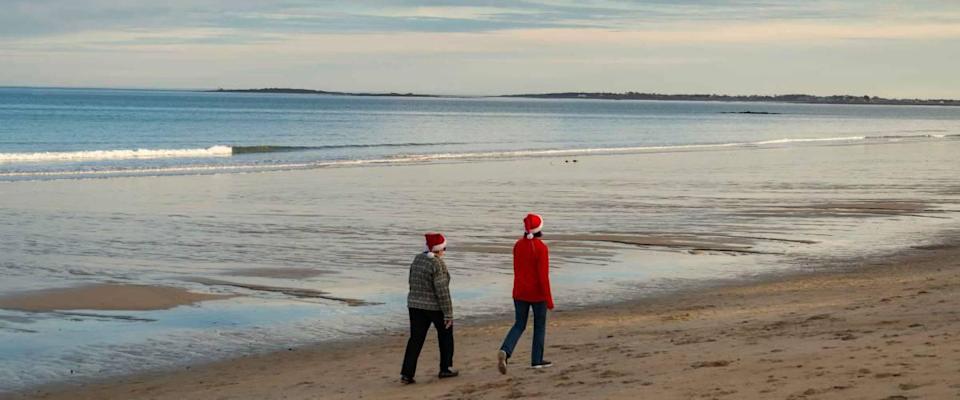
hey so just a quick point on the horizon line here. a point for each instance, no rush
(253, 90)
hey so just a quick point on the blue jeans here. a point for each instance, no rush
(539, 329)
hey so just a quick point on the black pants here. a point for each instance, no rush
(420, 321)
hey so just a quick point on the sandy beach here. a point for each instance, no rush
(881, 328)
(104, 297)
(116, 277)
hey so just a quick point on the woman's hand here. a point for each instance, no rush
(447, 324)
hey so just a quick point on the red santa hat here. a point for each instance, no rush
(532, 224)
(435, 242)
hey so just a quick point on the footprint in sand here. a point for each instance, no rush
(883, 375)
(611, 374)
(908, 386)
(717, 393)
(706, 364)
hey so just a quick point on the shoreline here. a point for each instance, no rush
(688, 325)
(561, 156)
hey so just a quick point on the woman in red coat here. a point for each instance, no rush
(531, 289)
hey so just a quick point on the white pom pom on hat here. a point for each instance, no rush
(435, 242)
(532, 224)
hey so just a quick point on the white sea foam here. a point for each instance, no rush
(221, 151)
(805, 140)
(199, 169)
(95, 155)
(634, 149)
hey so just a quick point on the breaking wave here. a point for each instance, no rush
(95, 155)
(399, 158)
(213, 151)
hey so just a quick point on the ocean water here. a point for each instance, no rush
(249, 194)
(59, 132)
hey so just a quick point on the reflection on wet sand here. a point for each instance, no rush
(691, 243)
(279, 272)
(859, 208)
(293, 292)
(564, 249)
(584, 244)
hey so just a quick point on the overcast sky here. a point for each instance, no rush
(878, 47)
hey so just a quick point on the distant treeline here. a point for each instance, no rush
(309, 91)
(785, 98)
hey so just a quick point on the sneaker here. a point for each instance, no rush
(542, 364)
(448, 373)
(407, 380)
(502, 361)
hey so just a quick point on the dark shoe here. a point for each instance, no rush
(542, 364)
(449, 373)
(407, 380)
(502, 361)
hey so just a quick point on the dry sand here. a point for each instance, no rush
(888, 330)
(107, 296)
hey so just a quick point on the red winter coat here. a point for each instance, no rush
(531, 271)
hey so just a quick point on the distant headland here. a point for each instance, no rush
(309, 91)
(784, 98)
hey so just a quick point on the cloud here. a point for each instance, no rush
(32, 18)
(515, 41)
(481, 46)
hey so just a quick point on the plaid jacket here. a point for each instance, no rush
(430, 285)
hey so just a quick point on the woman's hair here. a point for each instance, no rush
(538, 234)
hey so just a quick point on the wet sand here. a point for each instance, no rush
(105, 297)
(880, 328)
(279, 273)
(289, 291)
(619, 227)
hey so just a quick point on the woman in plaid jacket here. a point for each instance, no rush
(429, 303)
